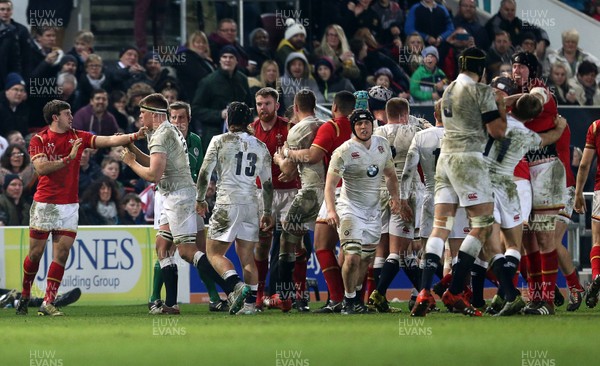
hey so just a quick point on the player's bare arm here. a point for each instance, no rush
(43, 166)
(151, 173)
(330, 183)
(119, 140)
(391, 182)
(140, 156)
(554, 134)
(266, 221)
(582, 175)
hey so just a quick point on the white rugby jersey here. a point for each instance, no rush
(238, 158)
(503, 155)
(424, 149)
(300, 137)
(463, 104)
(399, 137)
(361, 169)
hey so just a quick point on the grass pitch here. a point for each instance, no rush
(127, 335)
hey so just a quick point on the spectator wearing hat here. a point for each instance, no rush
(296, 77)
(294, 41)
(384, 77)
(259, 50)
(428, 81)
(215, 92)
(226, 35)
(329, 80)
(156, 75)
(14, 111)
(584, 84)
(127, 71)
(528, 42)
(68, 64)
(14, 209)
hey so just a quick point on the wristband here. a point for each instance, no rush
(66, 160)
(201, 201)
(133, 137)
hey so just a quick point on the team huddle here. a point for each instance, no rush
(485, 192)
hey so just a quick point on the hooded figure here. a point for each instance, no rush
(297, 77)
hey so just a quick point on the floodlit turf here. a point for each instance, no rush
(127, 335)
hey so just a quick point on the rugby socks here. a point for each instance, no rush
(29, 271)
(171, 277)
(513, 258)
(205, 268)
(371, 284)
(504, 276)
(332, 273)
(390, 269)
(231, 279)
(55, 275)
(477, 282)
(461, 270)
(299, 274)
(211, 288)
(411, 268)
(595, 260)
(549, 274)
(433, 252)
(251, 298)
(377, 267)
(573, 281)
(285, 287)
(262, 267)
(157, 282)
(534, 278)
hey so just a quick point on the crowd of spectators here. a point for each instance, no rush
(409, 47)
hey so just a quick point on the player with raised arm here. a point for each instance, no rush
(55, 154)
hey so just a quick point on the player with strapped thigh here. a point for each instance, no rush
(55, 154)
(469, 112)
(180, 114)
(272, 130)
(502, 157)
(548, 182)
(305, 206)
(591, 151)
(399, 134)
(360, 161)
(329, 136)
(168, 166)
(424, 151)
(238, 158)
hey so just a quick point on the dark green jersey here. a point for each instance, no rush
(195, 154)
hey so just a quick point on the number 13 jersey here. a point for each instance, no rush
(238, 158)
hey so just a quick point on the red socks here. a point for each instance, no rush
(55, 275)
(29, 271)
(300, 273)
(263, 268)
(573, 281)
(549, 274)
(371, 285)
(534, 278)
(332, 273)
(595, 260)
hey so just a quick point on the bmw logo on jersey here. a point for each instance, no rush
(372, 170)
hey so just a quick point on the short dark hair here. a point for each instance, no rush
(98, 91)
(527, 107)
(268, 92)
(305, 100)
(54, 107)
(587, 67)
(130, 197)
(397, 107)
(345, 101)
(155, 100)
(177, 105)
